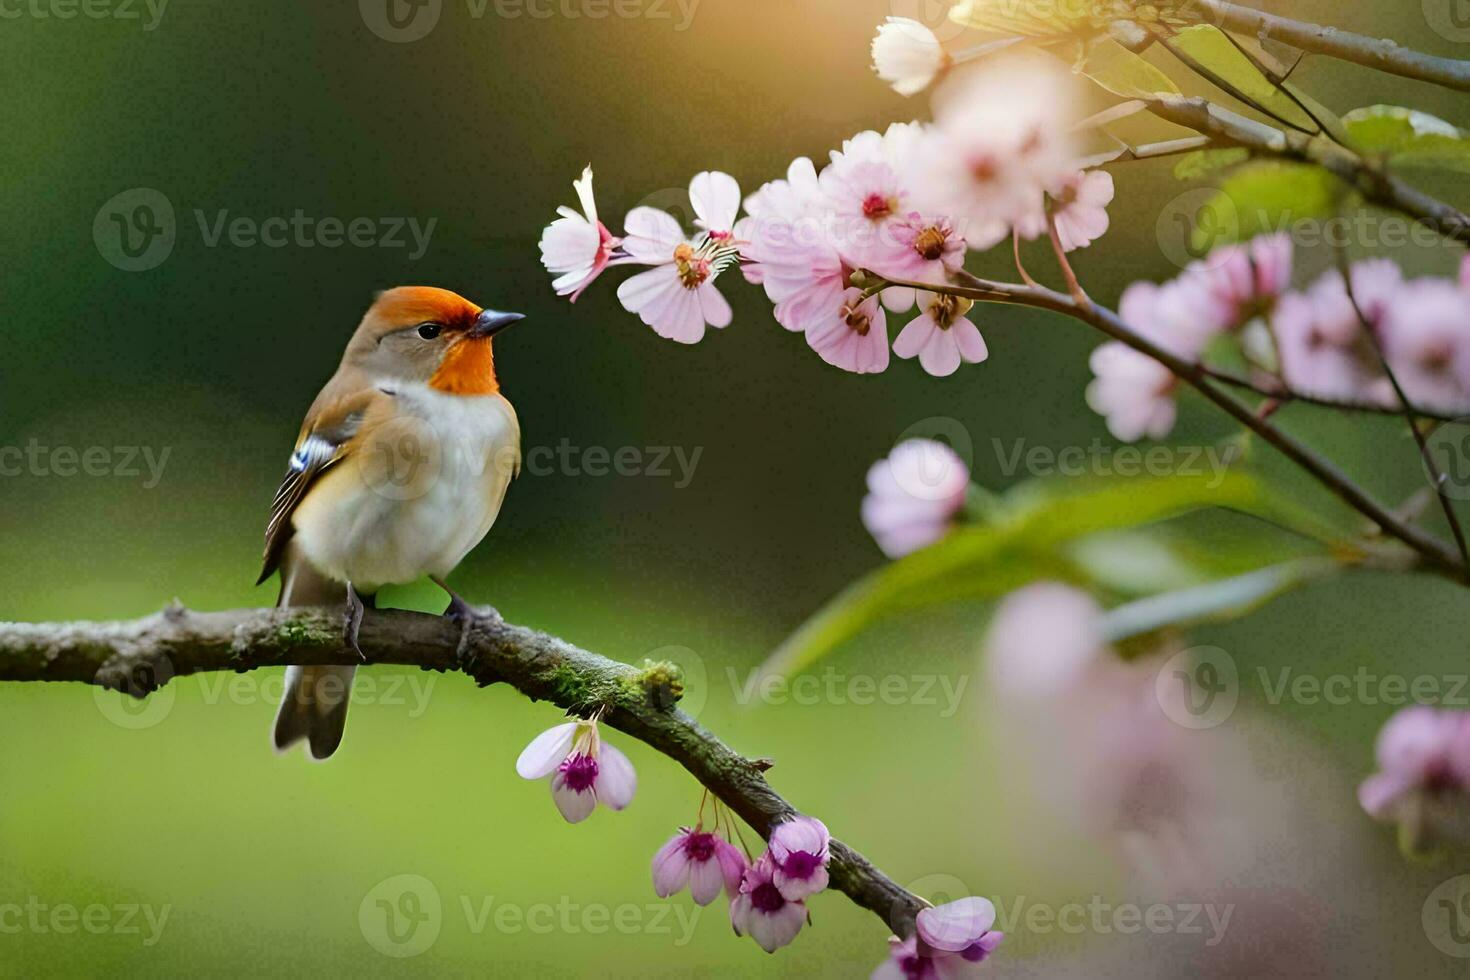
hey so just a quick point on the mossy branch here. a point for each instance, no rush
(139, 656)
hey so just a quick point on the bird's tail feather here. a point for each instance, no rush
(314, 707)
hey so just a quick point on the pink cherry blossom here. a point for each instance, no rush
(789, 251)
(1081, 208)
(853, 335)
(584, 770)
(798, 852)
(1043, 641)
(1423, 782)
(577, 247)
(677, 298)
(762, 912)
(914, 496)
(864, 197)
(1427, 343)
(987, 160)
(942, 337)
(703, 861)
(1323, 348)
(1247, 278)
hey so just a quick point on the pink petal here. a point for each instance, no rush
(797, 889)
(1378, 793)
(671, 867)
(957, 925)
(898, 299)
(967, 338)
(705, 881)
(915, 336)
(732, 865)
(713, 306)
(651, 236)
(941, 356)
(616, 781)
(716, 200)
(800, 833)
(546, 752)
(574, 806)
(772, 930)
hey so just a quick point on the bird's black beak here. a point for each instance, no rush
(491, 322)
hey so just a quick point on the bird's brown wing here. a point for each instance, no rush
(322, 444)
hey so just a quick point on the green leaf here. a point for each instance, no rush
(1022, 544)
(1264, 196)
(1408, 138)
(1013, 17)
(1124, 73)
(1201, 163)
(1213, 50)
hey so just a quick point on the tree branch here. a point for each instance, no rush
(1379, 53)
(1232, 129)
(1434, 554)
(141, 655)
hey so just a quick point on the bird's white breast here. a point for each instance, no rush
(420, 491)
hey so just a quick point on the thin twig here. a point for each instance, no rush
(1380, 53)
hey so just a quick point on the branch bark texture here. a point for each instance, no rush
(139, 656)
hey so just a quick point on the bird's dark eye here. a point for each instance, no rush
(430, 330)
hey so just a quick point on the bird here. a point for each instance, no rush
(399, 470)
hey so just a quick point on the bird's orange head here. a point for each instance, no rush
(426, 334)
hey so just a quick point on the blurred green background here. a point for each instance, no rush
(264, 108)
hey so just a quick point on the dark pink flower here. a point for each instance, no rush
(703, 861)
(584, 770)
(762, 912)
(799, 855)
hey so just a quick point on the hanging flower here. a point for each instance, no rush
(577, 247)
(762, 912)
(798, 850)
(788, 248)
(942, 337)
(854, 335)
(914, 496)
(950, 943)
(584, 770)
(703, 861)
(1423, 782)
(1080, 208)
(907, 55)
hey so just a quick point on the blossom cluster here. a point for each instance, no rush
(838, 248)
(1323, 341)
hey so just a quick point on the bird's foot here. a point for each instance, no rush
(467, 616)
(352, 621)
